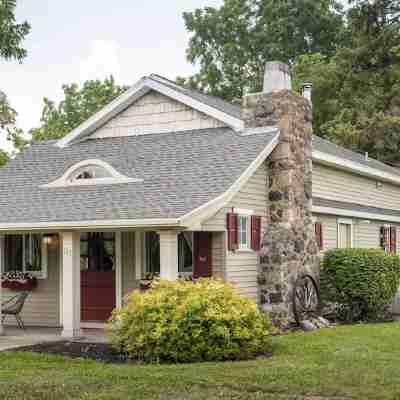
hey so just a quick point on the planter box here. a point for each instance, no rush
(17, 280)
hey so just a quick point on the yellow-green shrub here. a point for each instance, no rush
(187, 322)
(361, 281)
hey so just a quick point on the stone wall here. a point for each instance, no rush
(289, 246)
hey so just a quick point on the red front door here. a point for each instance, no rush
(202, 254)
(97, 295)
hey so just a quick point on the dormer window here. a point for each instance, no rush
(90, 172)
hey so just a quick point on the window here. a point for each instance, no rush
(98, 251)
(185, 253)
(90, 172)
(26, 253)
(243, 232)
(345, 233)
(388, 238)
(152, 251)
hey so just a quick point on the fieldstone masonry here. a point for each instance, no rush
(289, 247)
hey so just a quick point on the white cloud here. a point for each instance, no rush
(103, 60)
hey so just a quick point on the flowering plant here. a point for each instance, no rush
(18, 280)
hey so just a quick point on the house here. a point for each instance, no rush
(172, 181)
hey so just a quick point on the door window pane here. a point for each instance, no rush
(97, 251)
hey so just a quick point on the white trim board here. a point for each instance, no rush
(138, 90)
(354, 214)
(85, 225)
(352, 166)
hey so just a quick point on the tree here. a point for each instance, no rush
(232, 43)
(357, 92)
(77, 106)
(11, 36)
(11, 33)
(4, 157)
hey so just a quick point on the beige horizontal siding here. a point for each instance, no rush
(156, 113)
(344, 186)
(365, 232)
(42, 307)
(129, 281)
(329, 230)
(218, 255)
(241, 267)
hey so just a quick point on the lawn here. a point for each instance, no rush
(360, 362)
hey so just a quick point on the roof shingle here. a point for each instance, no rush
(181, 171)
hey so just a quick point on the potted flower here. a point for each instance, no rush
(17, 280)
(146, 281)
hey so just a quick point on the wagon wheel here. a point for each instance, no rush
(306, 299)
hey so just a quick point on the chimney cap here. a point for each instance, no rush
(306, 85)
(276, 77)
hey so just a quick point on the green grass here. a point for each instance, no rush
(360, 362)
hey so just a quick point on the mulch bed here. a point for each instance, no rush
(102, 352)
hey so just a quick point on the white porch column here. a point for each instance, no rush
(169, 255)
(71, 282)
(1, 270)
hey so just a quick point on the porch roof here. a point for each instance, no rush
(181, 171)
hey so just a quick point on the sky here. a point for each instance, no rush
(77, 40)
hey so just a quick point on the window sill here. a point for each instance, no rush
(245, 250)
(37, 274)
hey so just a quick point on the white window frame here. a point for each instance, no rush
(44, 256)
(345, 221)
(244, 213)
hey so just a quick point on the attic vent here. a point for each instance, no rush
(90, 172)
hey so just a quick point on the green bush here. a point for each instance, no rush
(188, 322)
(362, 281)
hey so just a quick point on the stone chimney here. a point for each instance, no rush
(289, 248)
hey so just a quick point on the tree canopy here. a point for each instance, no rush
(357, 92)
(12, 35)
(352, 58)
(77, 106)
(232, 43)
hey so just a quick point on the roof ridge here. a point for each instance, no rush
(200, 92)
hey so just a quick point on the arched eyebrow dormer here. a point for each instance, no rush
(90, 172)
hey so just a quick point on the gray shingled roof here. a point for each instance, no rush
(212, 101)
(328, 147)
(181, 171)
(317, 201)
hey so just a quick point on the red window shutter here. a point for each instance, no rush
(255, 233)
(232, 228)
(382, 238)
(393, 240)
(318, 235)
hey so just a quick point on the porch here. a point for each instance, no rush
(14, 337)
(82, 276)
